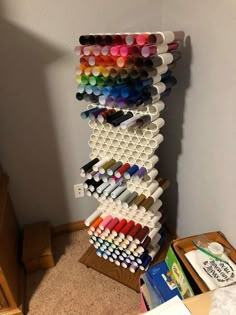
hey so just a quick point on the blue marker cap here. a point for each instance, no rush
(131, 171)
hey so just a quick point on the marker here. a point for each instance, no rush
(99, 252)
(127, 202)
(99, 164)
(160, 190)
(103, 186)
(131, 171)
(114, 256)
(93, 115)
(97, 177)
(96, 224)
(133, 268)
(148, 259)
(111, 259)
(115, 193)
(105, 222)
(86, 113)
(92, 187)
(113, 168)
(131, 234)
(113, 116)
(102, 116)
(119, 227)
(85, 168)
(165, 37)
(141, 235)
(129, 39)
(163, 59)
(111, 225)
(110, 188)
(126, 229)
(116, 122)
(137, 201)
(115, 180)
(130, 122)
(122, 170)
(107, 165)
(140, 173)
(123, 197)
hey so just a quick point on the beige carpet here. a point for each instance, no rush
(71, 288)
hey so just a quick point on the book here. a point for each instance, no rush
(178, 274)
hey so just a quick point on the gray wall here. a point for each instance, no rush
(44, 142)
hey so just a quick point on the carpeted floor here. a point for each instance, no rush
(70, 288)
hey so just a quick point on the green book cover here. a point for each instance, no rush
(178, 274)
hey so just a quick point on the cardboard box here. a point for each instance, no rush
(185, 245)
(199, 304)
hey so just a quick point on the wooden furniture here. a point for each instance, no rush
(11, 271)
(124, 276)
(37, 248)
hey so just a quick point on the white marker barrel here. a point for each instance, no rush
(109, 189)
(118, 191)
(152, 161)
(122, 197)
(102, 187)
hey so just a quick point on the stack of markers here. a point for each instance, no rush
(125, 242)
(110, 182)
(124, 77)
(127, 70)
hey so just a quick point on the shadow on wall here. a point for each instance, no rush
(171, 148)
(28, 144)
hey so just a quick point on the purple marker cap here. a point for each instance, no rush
(121, 102)
(141, 172)
(110, 101)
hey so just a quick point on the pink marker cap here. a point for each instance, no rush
(105, 222)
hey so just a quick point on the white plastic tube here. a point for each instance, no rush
(157, 193)
(92, 144)
(151, 175)
(154, 222)
(150, 164)
(136, 154)
(135, 139)
(143, 141)
(157, 107)
(152, 187)
(156, 206)
(154, 143)
(92, 156)
(95, 195)
(92, 124)
(116, 156)
(119, 136)
(127, 138)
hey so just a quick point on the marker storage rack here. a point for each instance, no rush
(124, 78)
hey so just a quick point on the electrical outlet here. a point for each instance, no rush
(79, 190)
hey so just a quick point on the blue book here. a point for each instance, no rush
(162, 282)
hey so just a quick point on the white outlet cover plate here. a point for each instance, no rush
(79, 190)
